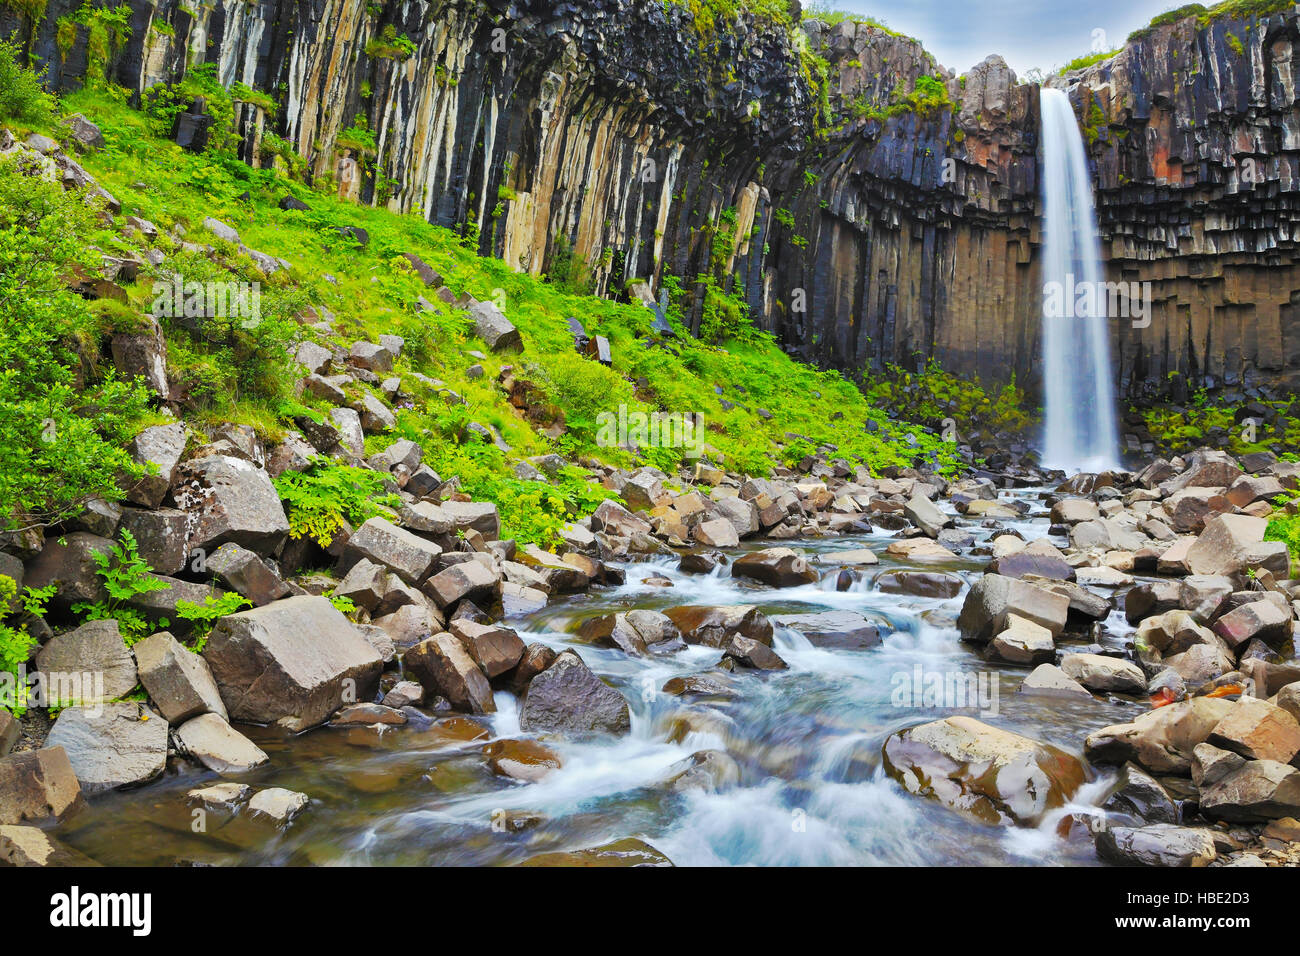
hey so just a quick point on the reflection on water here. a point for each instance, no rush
(807, 741)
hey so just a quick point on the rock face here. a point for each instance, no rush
(994, 775)
(568, 698)
(294, 662)
(944, 268)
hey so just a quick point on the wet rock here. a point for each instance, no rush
(859, 557)
(629, 852)
(537, 657)
(1255, 791)
(1138, 794)
(698, 686)
(846, 630)
(220, 796)
(752, 654)
(714, 626)
(1161, 740)
(370, 715)
(1258, 730)
(179, 682)
(111, 745)
(1048, 680)
(444, 667)
(230, 500)
(211, 741)
(1159, 845)
(993, 597)
(991, 774)
(775, 567)
(31, 846)
(277, 805)
(1104, 674)
(294, 662)
(494, 648)
(1023, 642)
(568, 698)
(37, 785)
(405, 693)
(923, 513)
(711, 771)
(525, 760)
(73, 664)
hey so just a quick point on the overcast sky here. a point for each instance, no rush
(1028, 33)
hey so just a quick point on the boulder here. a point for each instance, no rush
(1023, 642)
(1159, 845)
(469, 579)
(1103, 674)
(716, 533)
(1256, 790)
(714, 626)
(245, 573)
(179, 682)
(68, 562)
(294, 662)
(750, 653)
(620, 853)
(923, 513)
(277, 805)
(1048, 680)
(111, 745)
(230, 500)
(1264, 620)
(525, 760)
(775, 567)
(494, 648)
(567, 698)
(1161, 740)
(161, 537)
(1073, 511)
(1137, 794)
(218, 746)
(491, 325)
(991, 774)
(1223, 546)
(72, 665)
(846, 630)
(407, 555)
(37, 785)
(31, 846)
(993, 597)
(480, 516)
(159, 450)
(1258, 730)
(444, 667)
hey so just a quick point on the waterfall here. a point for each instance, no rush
(1080, 431)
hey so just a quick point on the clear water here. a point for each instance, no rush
(1080, 431)
(808, 741)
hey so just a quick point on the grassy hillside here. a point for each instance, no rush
(760, 408)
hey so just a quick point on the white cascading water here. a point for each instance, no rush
(1080, 431)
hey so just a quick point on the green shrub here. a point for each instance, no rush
(22, 98)
(318, 501)
(61, 435)
(126, 575)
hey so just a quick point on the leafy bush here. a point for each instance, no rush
(22, 98)
(203, 616)
(1285, 528)
(61, 436)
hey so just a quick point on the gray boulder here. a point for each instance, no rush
(230, 500)
(567, 698)
(112, 745)
(179, 681)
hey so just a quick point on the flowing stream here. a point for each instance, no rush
(1080, 431)
(808, 742)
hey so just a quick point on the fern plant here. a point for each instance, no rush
(15, 642)
(321, 499)
(203, 616)
(126, 575)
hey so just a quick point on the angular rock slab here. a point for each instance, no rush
(179, 682)
(231, 501)
(73, 664)
(1158, 845)
(31, 846)
(37, 785)
(443, 666)
(294, 662)
(112, 745)
(210, 740)
(568, 698)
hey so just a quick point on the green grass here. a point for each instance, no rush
(229, 374)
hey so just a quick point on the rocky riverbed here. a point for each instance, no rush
(915, 671)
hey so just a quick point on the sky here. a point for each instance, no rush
(1027, 33)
